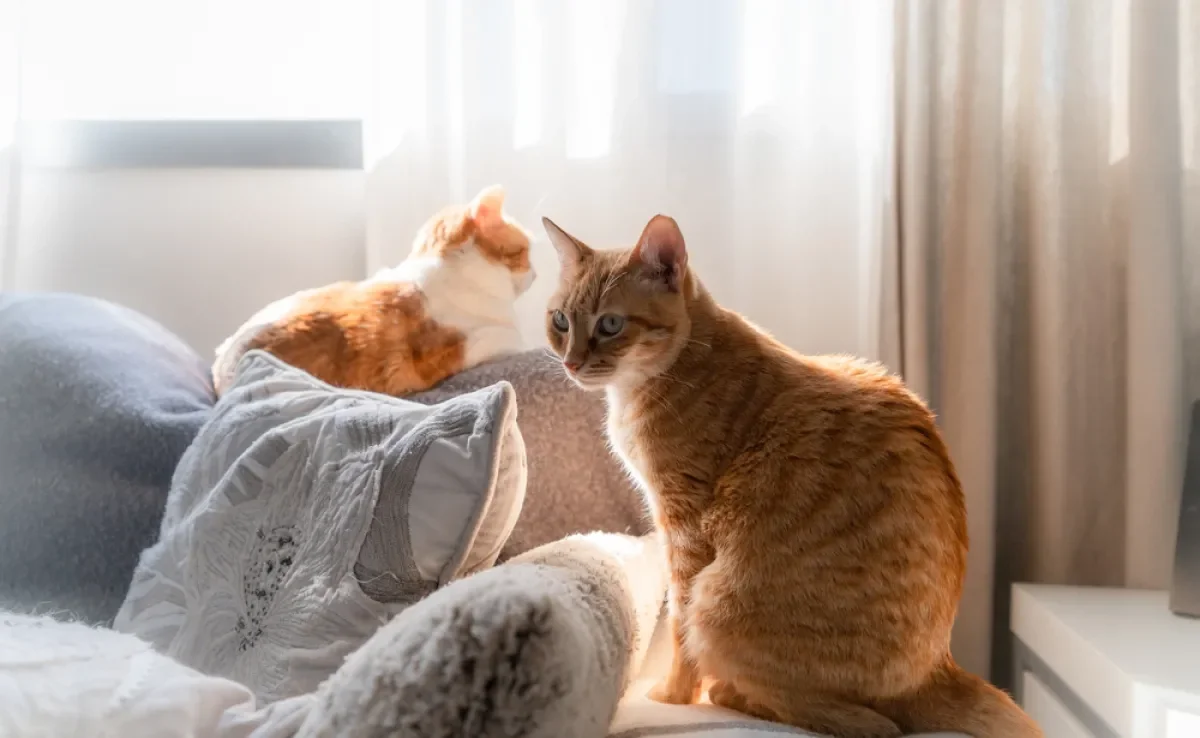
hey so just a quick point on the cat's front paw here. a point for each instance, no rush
(672, 692)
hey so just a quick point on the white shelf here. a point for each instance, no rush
(1122, 652)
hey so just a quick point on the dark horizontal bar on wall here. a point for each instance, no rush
(187, 144)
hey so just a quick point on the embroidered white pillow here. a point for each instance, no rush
(304, 517)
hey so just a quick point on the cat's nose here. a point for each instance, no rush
(572, 366)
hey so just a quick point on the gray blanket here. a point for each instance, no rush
(97, 404)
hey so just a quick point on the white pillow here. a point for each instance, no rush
(60, 680)
(304, 517)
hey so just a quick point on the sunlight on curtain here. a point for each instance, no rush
(9, 116)
(217, 59)
(8, 72)
(397, 105)
(528, 63)
(1189, 82)
(762, 38)
(1118, 82)
(759, 125)
(756, 123)
(1046, 274)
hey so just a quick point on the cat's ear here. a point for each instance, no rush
(661, 252)
(570, 250)
(487, 209)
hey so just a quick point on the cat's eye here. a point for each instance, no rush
(559, 320)
(609, 325)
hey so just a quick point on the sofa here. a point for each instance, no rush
(315, 561)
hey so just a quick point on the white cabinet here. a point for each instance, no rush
(1106, 663)
(1056, 719)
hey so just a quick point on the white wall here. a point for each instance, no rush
(198, 250)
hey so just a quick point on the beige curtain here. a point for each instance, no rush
(1039, 289)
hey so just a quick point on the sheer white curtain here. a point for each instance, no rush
(9, 115)
(762, 126)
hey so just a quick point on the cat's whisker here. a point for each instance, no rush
(560, 375)
(611, 282)
(662, 402)
(672, 378)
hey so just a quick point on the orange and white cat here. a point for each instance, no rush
(447, 307)
(814, 526)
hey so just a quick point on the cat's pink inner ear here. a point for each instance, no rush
(662, 251)
(487, 209)
(570, 249)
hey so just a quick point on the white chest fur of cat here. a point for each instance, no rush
(471, 294)
(622, 432)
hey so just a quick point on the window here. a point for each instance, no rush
(195, 60)
(184, 83)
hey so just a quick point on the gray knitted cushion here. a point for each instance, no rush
(576, 484)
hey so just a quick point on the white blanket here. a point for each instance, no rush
(63, 680)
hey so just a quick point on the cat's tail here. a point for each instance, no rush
(223, 366)
(229, 353)
(956, 701)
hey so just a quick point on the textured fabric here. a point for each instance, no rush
(97, 405)
(643, 718)
(640, 717)
(69, 680)
(575, 484)
(1043, 281)
(304, 517)
(541, 647)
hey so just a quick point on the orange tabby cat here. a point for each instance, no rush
(448, 306)
(814, 525)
